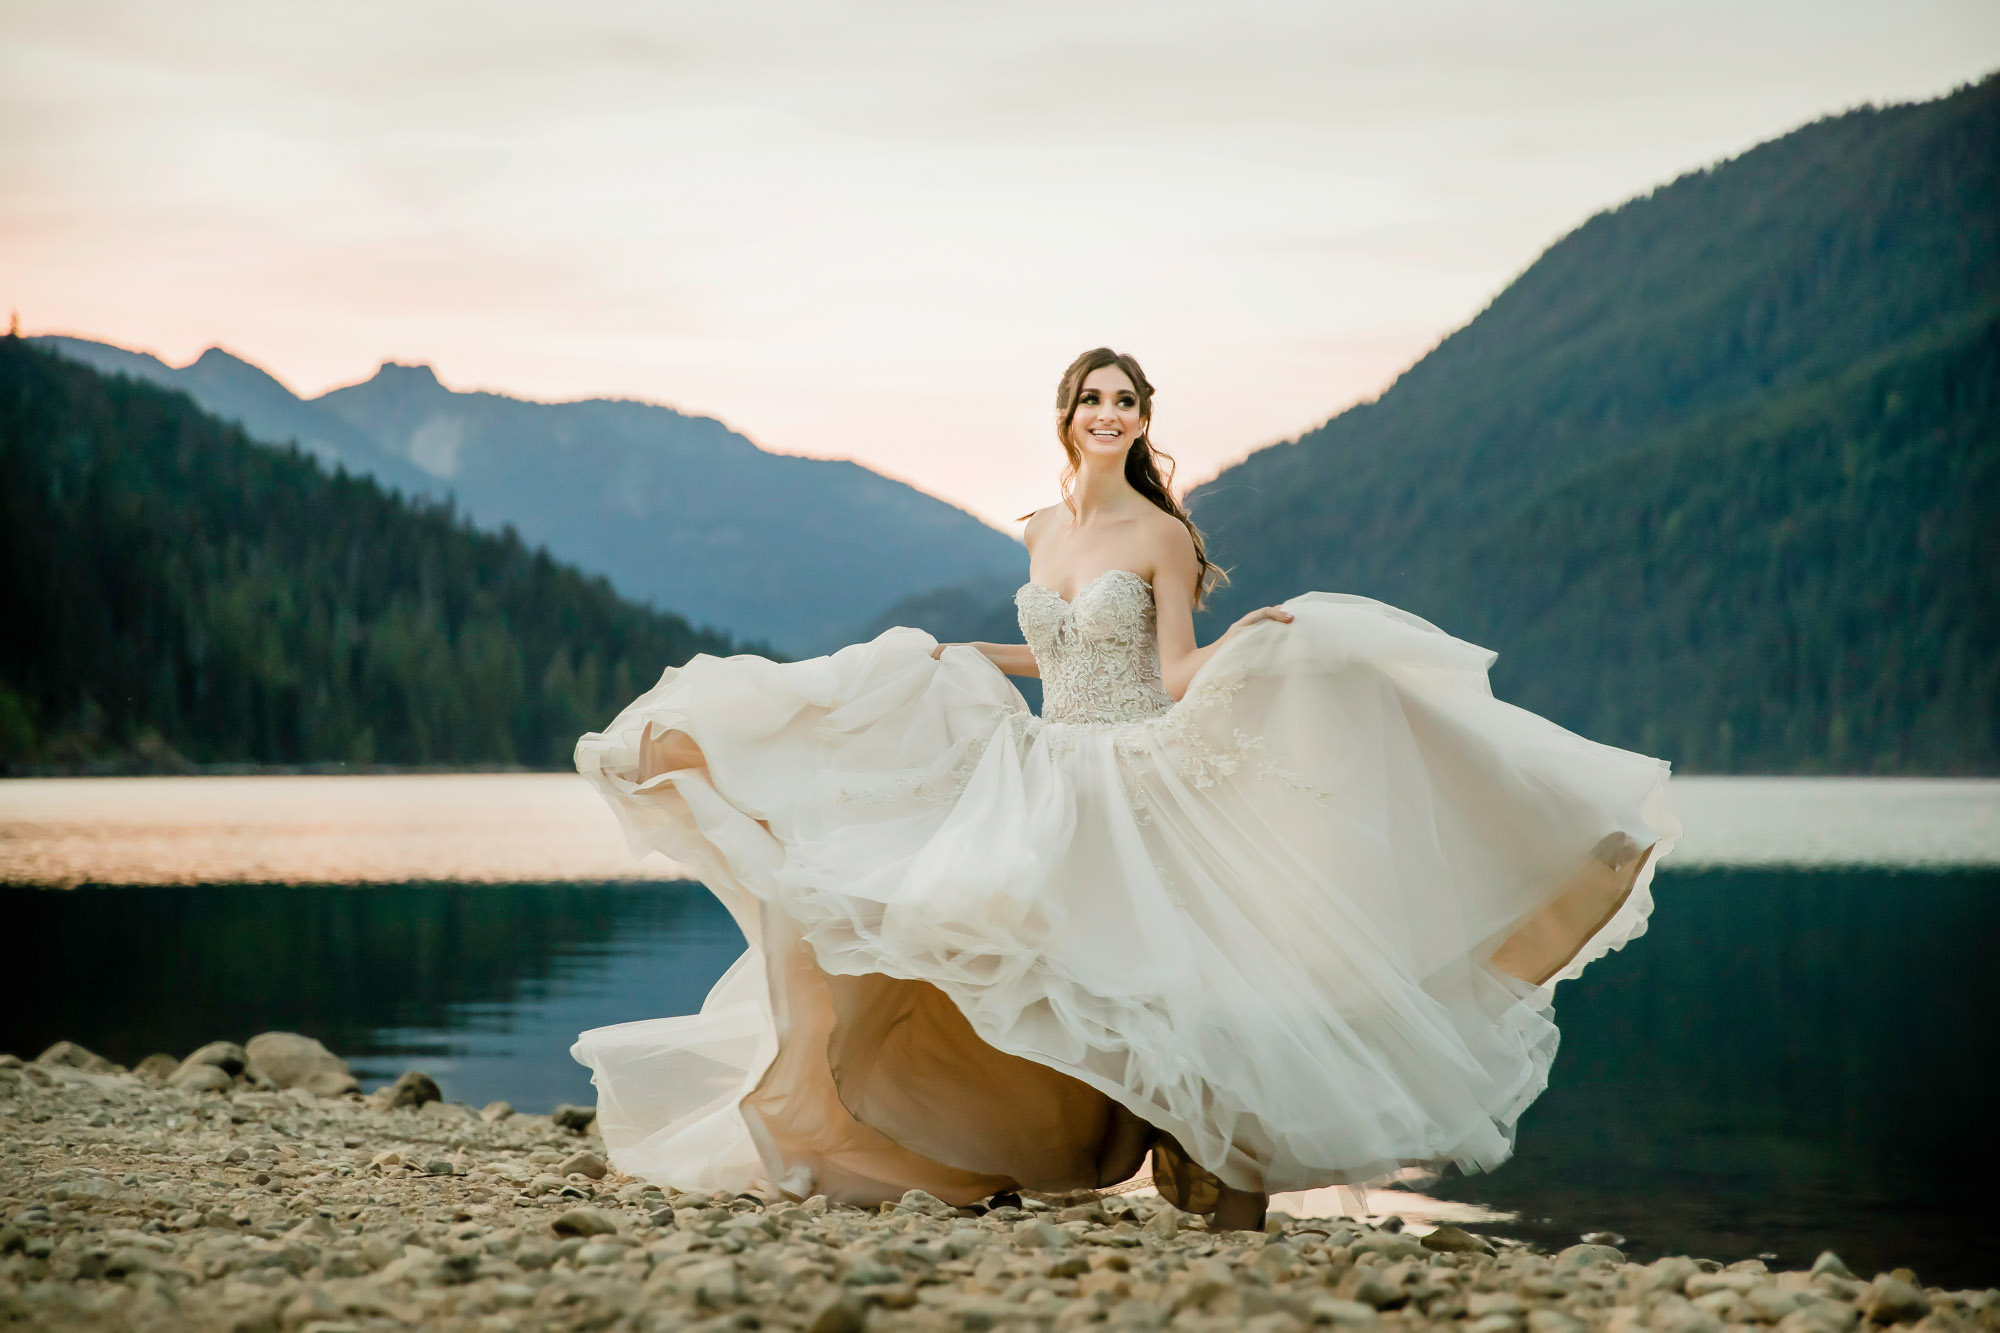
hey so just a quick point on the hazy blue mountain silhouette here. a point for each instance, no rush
(235, 390)
(1718, 475)
(676, 510)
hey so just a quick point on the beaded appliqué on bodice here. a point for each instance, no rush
(1099, 657)
(1098, 654)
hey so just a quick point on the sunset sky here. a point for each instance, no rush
(877, 230)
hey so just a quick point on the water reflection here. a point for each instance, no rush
(1787, 1061)
(483, 986)
(539, 827)
(384, 829)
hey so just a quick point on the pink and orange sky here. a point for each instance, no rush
(877, 230)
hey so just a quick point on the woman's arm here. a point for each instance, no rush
(1173, 603)
(1016, 659)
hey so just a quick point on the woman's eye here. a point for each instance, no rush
(1089, 400)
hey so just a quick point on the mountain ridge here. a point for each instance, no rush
(178, 593)
(1813, 318)
(678, 510)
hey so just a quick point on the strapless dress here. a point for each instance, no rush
(1301, 927)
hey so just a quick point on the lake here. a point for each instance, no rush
(1796, 1056)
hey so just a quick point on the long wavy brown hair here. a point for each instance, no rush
(1149, 468)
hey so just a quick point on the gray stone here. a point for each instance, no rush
(1372, 1287)
(1455, 1240)
(1390, 1245)
(1074, 1265)
(224, 1055)
(1725, 1306)
(1341, 1314)
(291, 1060)
(1707, 1284)
(1495, 1323)
(1678, 1314)
(714, 1284)
(457, 1269)
(574, 1118)
(346, 1264)
(130, 1259)
(1769, 1302)
(415, 1088)
(1829, 1262)
(1479, 1304)
(1890, 1300)
(1035, 1234)
(494, 1112)
(744, 1224)
(842, 1314)
(1820, 1317)
(1667, 1274)
(583, 1164)
(311, 1306)
(201, 1078)
(1543, 1320)
(156, 1068)
(929, 1205)
(1587, 1256)
(69, 1055)
(584, 1222)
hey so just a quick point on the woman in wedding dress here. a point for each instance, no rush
(1283, 911)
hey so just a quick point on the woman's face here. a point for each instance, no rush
(1107, 416)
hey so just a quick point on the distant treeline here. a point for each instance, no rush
(173, 592)
(1718, 476)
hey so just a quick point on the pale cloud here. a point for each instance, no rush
(877, 230)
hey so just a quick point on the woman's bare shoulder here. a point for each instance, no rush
(1039, 522)
(1169, 551)
(1167, 537)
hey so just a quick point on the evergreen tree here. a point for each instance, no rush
(174, 591)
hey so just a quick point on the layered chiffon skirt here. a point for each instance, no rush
(1304, 927)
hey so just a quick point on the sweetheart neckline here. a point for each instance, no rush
(1088, 584)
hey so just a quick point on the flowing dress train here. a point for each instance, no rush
(1301, 927)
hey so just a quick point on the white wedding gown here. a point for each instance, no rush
(1302, 926)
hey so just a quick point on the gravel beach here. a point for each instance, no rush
(253, 1188)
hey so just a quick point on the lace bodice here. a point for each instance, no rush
(1099, 654)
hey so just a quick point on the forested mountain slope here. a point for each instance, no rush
(675, 509)
(1718, 475)
(172, 589)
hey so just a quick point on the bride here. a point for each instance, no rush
(1282, 911)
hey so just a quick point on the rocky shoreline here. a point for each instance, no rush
(254, 1189)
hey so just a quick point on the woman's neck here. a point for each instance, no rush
(1101, 489)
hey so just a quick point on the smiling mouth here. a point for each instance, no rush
(1107, 434)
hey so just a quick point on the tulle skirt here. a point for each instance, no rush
(1304, 927)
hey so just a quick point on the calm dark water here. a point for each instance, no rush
(1787, 1061)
